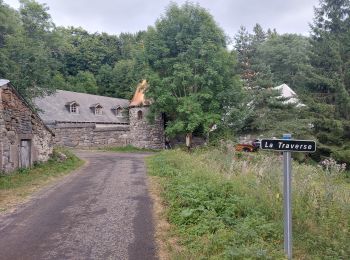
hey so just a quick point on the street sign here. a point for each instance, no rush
(286, 145)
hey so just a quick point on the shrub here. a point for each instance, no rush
(342, 156)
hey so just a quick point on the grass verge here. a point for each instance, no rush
(19, 185)
(222, 205)
(126, 149)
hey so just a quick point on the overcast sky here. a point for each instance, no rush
(116, 16)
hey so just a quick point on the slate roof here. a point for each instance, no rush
(3, 82)
(54, 108)
(287, 92)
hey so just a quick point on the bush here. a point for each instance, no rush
(342, 156)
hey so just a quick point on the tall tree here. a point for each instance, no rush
(28, 52)
(288, 58)
(194, 81)
(331, 53)
(9, 25)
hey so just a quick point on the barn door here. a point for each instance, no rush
(25, 154)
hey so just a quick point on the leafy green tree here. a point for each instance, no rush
(29, 63)
(125, 78)
(287, 57)
(104, 80)
(9, 25)
(193, 79)
(36, 20)
(84, 82)
(59, 82)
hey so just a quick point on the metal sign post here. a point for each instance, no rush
(287, 146)
(287, 190)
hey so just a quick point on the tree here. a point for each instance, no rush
(84, 82)
(9, 25)
(330, 85)
(253, 69)
(268, 60)
(30, 65)
(288, 59)
(331, 53)
(193, 80)
(36, 21)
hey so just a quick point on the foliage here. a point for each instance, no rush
(84, 81)
(192, 74)
(26, 48)
(267, 60)
(342, 156)
(194, 78)
(330, 85)
(127, 149)
(224, 207)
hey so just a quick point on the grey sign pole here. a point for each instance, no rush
(287, 146)
(287, 190)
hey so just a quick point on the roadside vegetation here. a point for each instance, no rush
(226, 205)
(126, 149)
(19, 185)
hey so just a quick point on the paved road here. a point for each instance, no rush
(100, 212)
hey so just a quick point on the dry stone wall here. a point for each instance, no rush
(17, 123)
(85, 135)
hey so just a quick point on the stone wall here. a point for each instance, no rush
(19, 122)
(144, 134)
(84, 135)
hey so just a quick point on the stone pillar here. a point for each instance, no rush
(144, 134)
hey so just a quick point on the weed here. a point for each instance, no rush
(226, 206)
(126, 149)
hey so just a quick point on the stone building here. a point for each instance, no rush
(142, 132)
(24, 138)
(85, 120)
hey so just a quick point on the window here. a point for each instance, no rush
(74, 109)
(139, 115)
(98, 110)
(118, 111)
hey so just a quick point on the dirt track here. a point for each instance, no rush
(102, 211)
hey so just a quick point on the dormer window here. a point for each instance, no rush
(118, 111)
(97, 109)
(73, 107)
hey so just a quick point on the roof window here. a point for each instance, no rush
(73, 107)
(97, 109)
(118, 111)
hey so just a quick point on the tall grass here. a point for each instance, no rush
(126, 149)
(229, 206)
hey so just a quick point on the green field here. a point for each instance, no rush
(223, 205)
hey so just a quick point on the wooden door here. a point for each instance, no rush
(25, 154)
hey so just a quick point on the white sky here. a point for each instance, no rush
(116, 16)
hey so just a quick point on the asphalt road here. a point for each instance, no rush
(102, 211)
